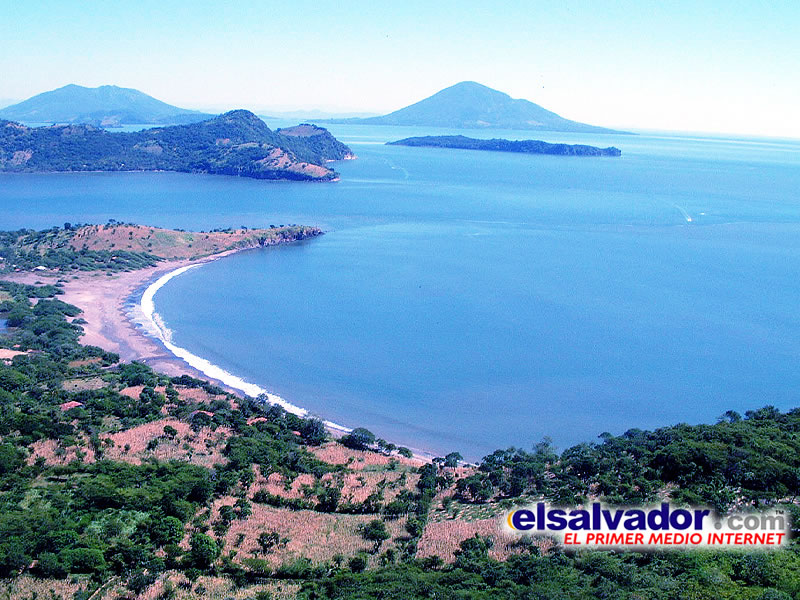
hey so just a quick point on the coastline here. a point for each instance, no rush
(154, 326)
(120, 317)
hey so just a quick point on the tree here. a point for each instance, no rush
(384, 446)
(268, 541)
(140, 581)
(84, 560)
(203, 551)
(313, 432)
(359, 439)
(472, 553)
(49, 566)
(476, 488)
(452, 459)
(375, 531)
(328, 499)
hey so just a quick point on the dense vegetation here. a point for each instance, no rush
(750, 460)
(498, 145)
(579, 576)
(94, 517)
(236, 143)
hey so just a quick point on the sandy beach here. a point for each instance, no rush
(102, 300)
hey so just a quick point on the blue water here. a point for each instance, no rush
(467, 301)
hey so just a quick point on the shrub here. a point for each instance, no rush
(358, 439)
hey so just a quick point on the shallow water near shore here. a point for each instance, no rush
(464, 300)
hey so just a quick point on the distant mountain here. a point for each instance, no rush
(104, 106)
(470, 105)
(236, 143)
(497, 145)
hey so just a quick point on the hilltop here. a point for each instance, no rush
(470, 105)
(316, 140)
(236, 143)
(104, 106)
(497, 145)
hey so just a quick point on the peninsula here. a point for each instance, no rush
(100, 266)
(499, 145)
(235, 143)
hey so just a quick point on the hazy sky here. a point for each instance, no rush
(723, 66)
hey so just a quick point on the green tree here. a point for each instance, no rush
(359, 439)
(375, 531)
(203, 551)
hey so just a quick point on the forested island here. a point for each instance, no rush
(235, 143)
(500, 145)
(119, 481)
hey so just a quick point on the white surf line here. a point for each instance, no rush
(154, 325)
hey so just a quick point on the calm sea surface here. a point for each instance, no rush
(468, 300)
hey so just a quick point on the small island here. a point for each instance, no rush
(499, 145)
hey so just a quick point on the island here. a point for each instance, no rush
(499, 145)
(235, 143)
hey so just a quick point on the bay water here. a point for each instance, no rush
(465, 300)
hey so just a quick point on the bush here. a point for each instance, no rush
(49, 566)
(358, 439)
(358, 563)
(83, 560)
(203, 551)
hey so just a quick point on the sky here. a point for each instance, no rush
(710, 66)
